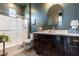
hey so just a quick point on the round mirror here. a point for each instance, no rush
(54, 15)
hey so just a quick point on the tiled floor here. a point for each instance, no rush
(27, 53)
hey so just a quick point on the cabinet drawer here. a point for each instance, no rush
(74, 41)
(36, 36)
(74, 50)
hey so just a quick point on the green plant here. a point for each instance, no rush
(4, 38)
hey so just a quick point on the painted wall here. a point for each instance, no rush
(39, 15)
(69, 13)
(5, 7)
(77, 11)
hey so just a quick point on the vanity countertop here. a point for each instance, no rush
(58, 32)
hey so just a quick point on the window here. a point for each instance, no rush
(60, 20)
(12, 12)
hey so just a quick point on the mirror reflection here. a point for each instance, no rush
(54, 15)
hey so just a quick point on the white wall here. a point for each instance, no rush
(14, 28)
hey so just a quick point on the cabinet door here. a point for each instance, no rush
(45, 41)
(37, 44)
(74, 50)
(46, 45)
(74, 46)
(59, 46)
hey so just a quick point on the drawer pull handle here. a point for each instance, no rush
(76, 40)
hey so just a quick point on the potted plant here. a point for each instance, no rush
(4, 38)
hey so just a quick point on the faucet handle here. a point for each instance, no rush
(53, 28)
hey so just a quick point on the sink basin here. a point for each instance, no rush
(61, 31)
(56, 31)
(73, 31)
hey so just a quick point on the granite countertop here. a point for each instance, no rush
(57, 32)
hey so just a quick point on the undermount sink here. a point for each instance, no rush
(73, 31)
(56, 31)
(61, 31)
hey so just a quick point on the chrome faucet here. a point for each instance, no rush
(53, 28)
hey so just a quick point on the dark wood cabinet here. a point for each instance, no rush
(37, 44)
(48, 45)
(74, 46)
(56, 45)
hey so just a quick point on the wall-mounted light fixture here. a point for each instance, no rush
(33, 10)
(74, 23)
(11, 5)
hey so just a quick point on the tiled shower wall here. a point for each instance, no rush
(14, 28)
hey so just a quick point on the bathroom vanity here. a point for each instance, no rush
(56, 43)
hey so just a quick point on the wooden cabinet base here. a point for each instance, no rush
(48, 45)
